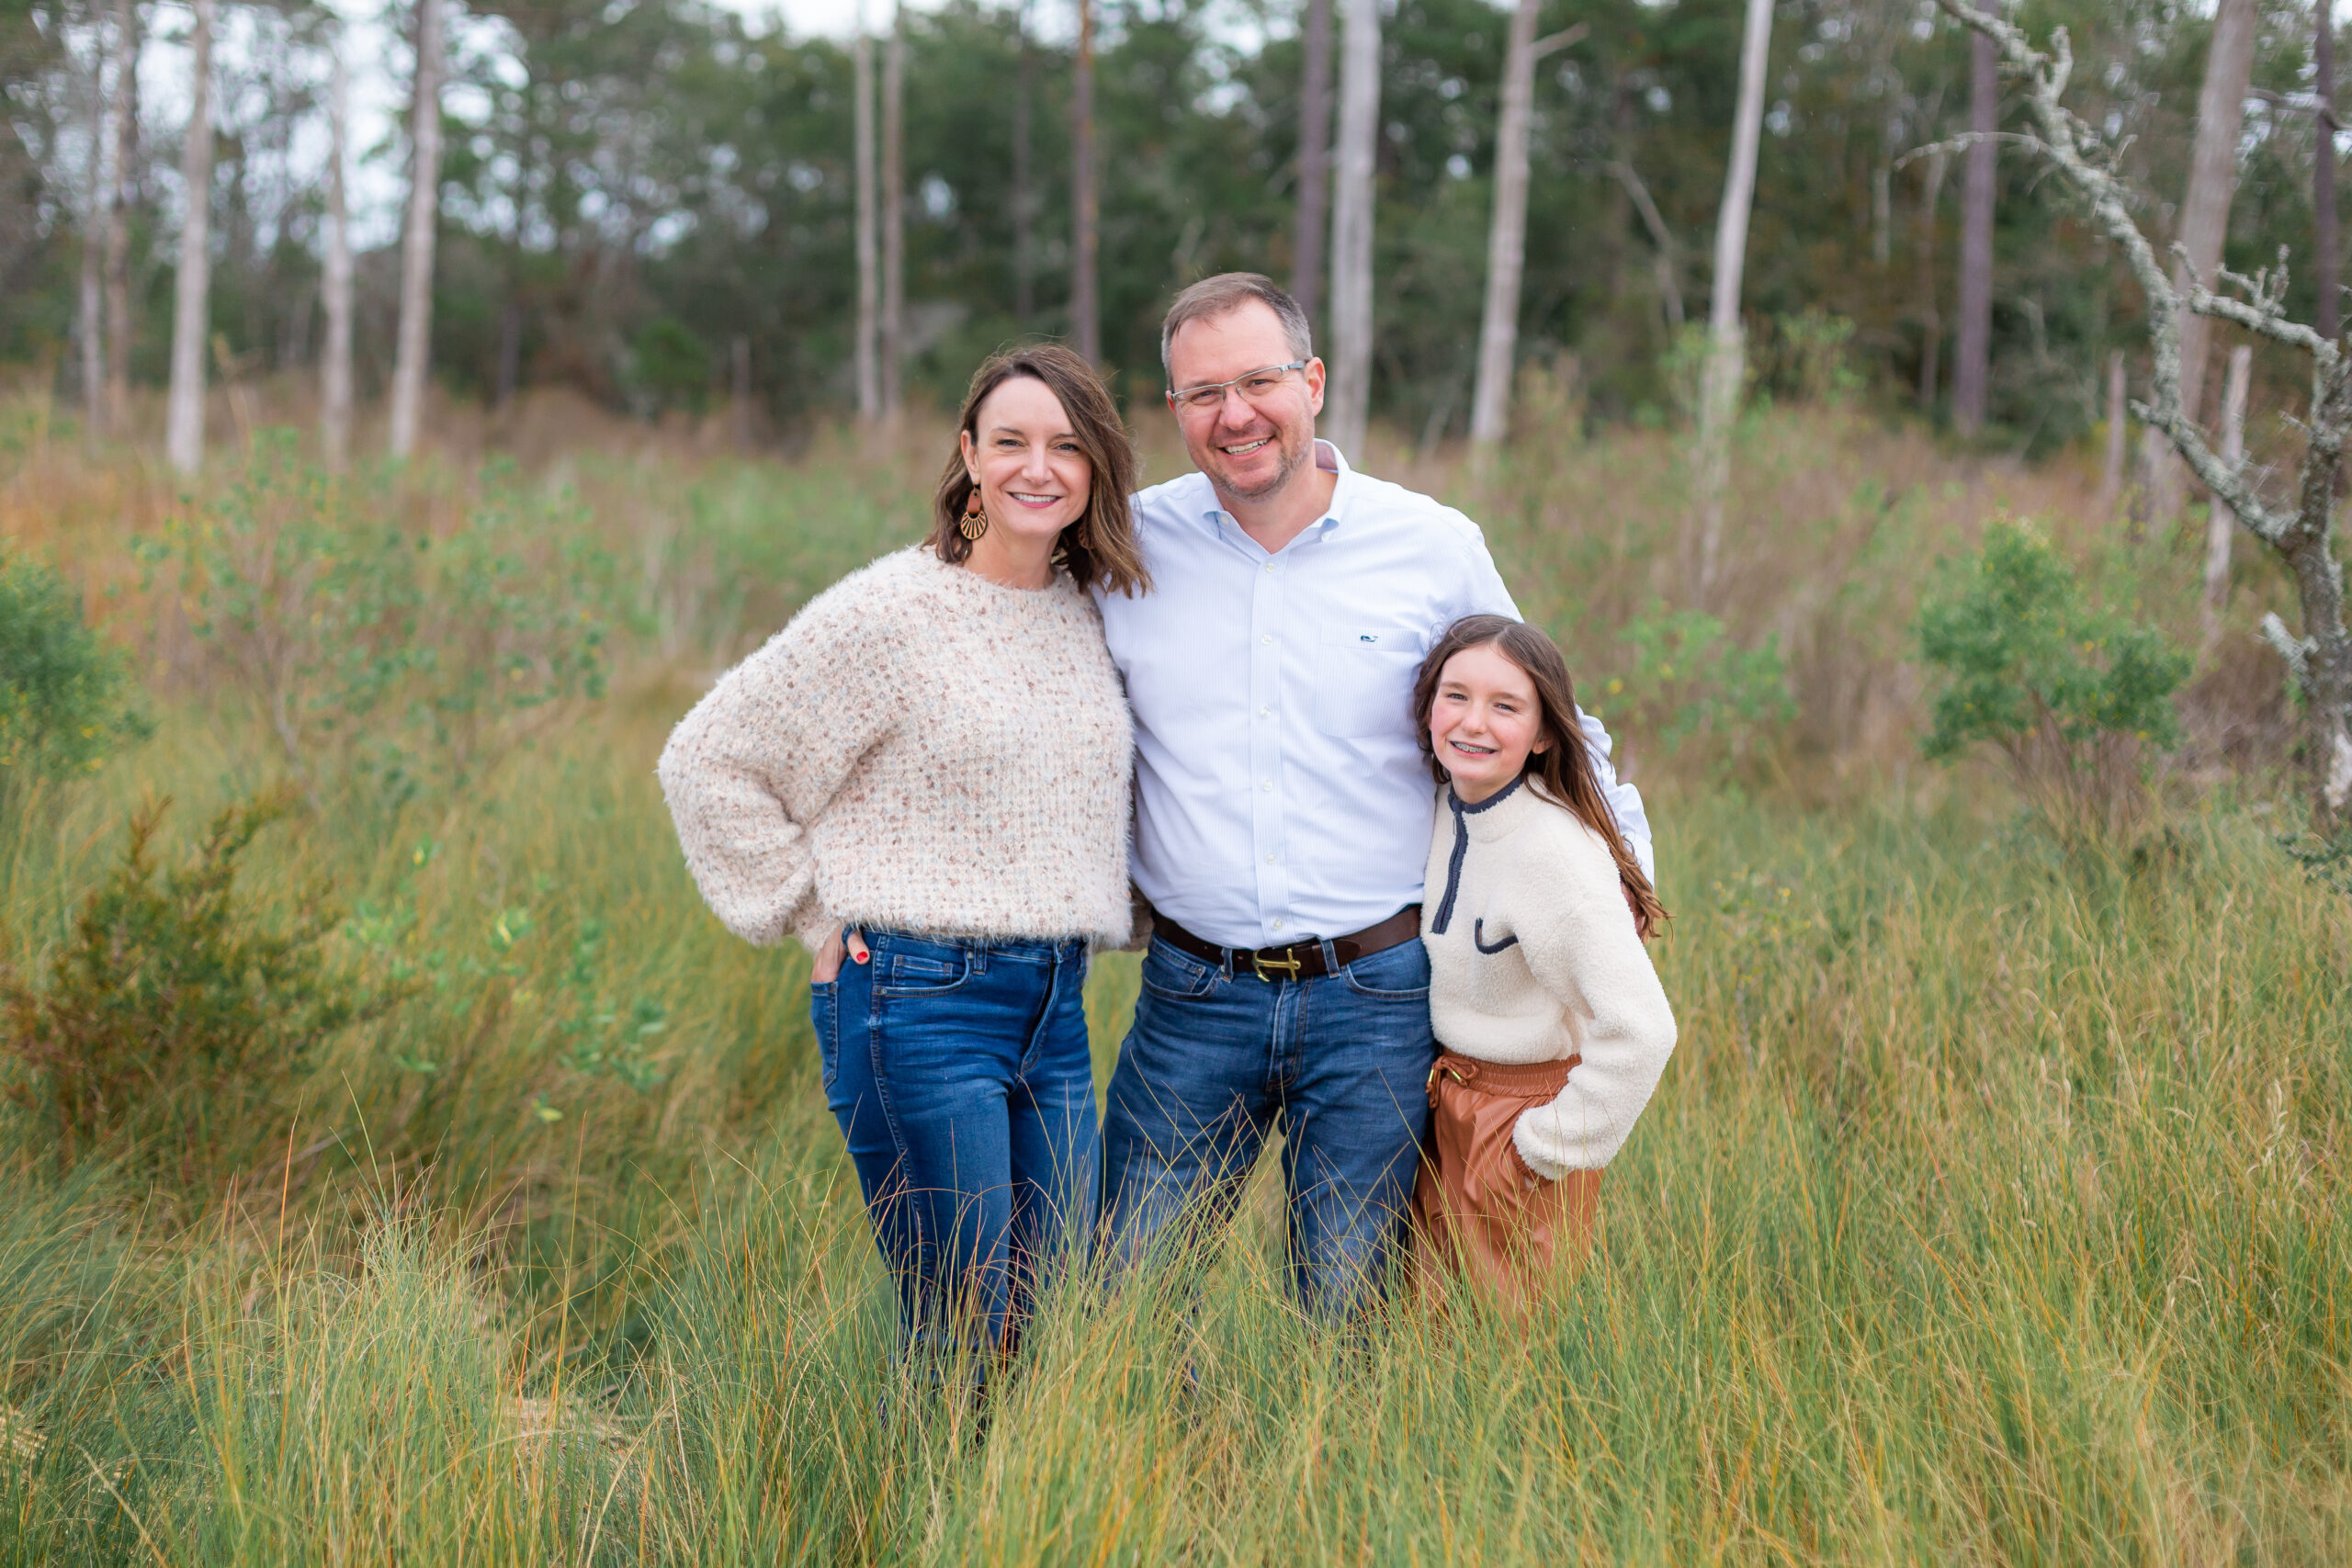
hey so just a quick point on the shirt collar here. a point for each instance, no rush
(1327, 457)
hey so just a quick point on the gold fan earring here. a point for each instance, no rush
(976, 518)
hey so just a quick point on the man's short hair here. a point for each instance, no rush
(1229, 291)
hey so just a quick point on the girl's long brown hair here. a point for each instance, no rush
(1562, 770)
(1100, 547)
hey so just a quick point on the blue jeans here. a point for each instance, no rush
(1215, 1057)
(959, 1073)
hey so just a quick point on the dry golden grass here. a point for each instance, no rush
(1993, 1210)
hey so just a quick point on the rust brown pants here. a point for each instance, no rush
(1480, 1215)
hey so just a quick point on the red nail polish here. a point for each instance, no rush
(861, 957)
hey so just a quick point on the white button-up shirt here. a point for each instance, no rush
(1280, 792)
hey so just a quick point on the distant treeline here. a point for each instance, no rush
(630, 189)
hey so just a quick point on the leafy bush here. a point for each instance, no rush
(64, 692)
(403, 660)
(1809, 359)
(1690, 685)
(2074, 697)
(2326, 860)
(179, 1014)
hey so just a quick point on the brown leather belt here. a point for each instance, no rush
(1510, 1080)
(1300, 961)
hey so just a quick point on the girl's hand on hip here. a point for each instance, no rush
(829, 957)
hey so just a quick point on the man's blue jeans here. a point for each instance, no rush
(1215, 1057)
(959, 1073)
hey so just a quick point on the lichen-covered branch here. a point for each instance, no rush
(2303, 537)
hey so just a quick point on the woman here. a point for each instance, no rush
(926, 773)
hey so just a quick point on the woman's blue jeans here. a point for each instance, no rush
(959, 1073)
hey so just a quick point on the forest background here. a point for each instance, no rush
(628, 192)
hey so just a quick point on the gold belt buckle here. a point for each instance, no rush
(1290, 966)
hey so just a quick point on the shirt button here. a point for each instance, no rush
(1270, 860)
(1267, 784)
(1270, 566)
(1278, 925)
(1266, 639)
(1265, 712)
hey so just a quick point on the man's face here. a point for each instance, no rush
(1249, 445)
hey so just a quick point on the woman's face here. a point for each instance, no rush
(1484, 721)
(1034, 478)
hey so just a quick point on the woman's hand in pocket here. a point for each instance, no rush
(829, 957)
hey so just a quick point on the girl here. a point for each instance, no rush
(927, 774)
(1553, 1025)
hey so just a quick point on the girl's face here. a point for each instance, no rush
(1033, 477)
(1485, 721)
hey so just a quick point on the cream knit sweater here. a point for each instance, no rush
(1533, 958)
(922, 749)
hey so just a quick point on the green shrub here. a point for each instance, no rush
(64, 692)
(2076, 697)
(2326, 860)
(405, 661)
(179, 1013)
(1809, 358)
(1690, 685)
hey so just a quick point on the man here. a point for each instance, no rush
(1283, 804)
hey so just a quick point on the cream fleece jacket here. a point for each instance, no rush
(1533, 958)
(920, 749)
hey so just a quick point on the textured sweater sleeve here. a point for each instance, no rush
(760, 758)
(1581, 947)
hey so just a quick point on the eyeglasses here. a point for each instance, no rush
(1256, 386)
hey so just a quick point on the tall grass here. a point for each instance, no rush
(1992, 1208)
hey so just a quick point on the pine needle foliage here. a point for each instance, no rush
(180, 1009)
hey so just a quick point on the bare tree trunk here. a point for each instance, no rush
(2111, 478)
(122, 129)
(1024, 210)
(1726, 365)
(1347, 408)
(184, 421)
(2324, 235)
(2221, 523)
(1931, 319)
(89, 323)
(741, 402)
(894, 213)
(1664, 252)
(413, 347)
(334, 365)
(1085, 310)
(1972, 347)
(1507, 234)
(1882, 214)
(1314, 161)
(509, 348)
(869, 261)
(2205, 218)
(2213, 174)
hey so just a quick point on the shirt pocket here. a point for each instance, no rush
(1363, 682)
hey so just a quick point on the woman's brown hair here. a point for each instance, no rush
(1562, 770)
(1099, 548)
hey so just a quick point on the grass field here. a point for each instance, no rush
(1993, 1209)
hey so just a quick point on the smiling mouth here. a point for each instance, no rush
(1032, 500)
(1245, 448)
(1469, 750)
